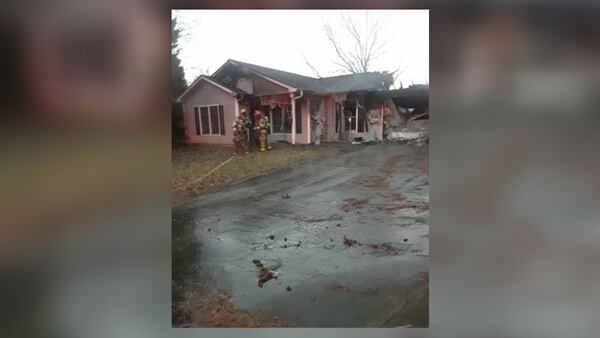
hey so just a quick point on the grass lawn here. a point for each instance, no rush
(190, 163)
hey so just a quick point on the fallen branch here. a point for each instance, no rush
(203, 176)
(417, 116)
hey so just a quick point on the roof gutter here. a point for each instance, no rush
(294, 115)
(299, 96)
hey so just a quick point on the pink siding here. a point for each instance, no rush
(207, 94)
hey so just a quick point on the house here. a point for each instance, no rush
(302, 109)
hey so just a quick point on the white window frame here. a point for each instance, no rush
(354, 116)
(210, 119)
(272, 124)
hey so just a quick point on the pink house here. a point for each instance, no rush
(338, 108)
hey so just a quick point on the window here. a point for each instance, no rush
(298, 117)
(212, 120)
(287, 118)
(355, 120)
(205, 121)
(349, 119)
(197, 118)
(281, 120)
(276, 120)
(362, 121)
(222, 120)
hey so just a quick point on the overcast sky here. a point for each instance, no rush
(278, 38)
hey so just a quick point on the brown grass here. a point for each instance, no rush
(191, 162)
(202, 310)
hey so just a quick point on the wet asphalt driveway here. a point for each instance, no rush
(376, 196)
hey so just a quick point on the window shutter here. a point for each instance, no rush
(197, 118)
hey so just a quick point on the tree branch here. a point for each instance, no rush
(364, 45)
(310, 65)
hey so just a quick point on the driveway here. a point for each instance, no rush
(349, 233)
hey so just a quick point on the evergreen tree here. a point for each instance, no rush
(178, 86)
(178, 83)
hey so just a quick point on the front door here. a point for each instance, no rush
(355, 122)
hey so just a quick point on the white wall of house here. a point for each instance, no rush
(206, 94)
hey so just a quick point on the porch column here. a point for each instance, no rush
(381, 122)
(237, 106)
(293, 118)
(356, 116)
(308, 136)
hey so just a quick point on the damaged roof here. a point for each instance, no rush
(333, 84)
(356, 82)
(413, 96)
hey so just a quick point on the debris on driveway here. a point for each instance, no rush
(353, 203)
(349, 242)
(264, 273)
(418, 138)
(388, 249)
(291, 244)
(317, 262)
(330, 218)
(417, 206)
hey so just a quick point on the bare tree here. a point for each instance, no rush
(357, 42)
(396, 83)
(310, 65)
